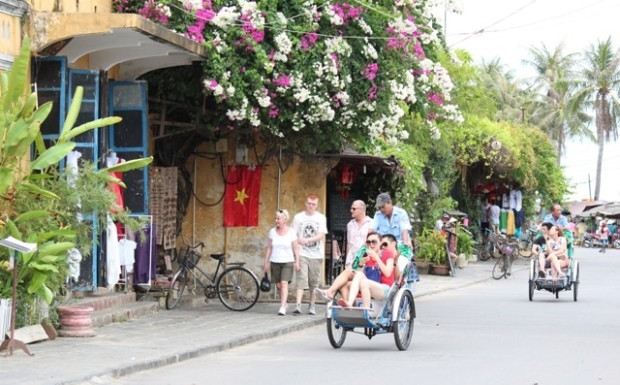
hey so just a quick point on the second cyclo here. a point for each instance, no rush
(236, 286)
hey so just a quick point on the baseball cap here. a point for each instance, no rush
(445, 216)
(382, 199)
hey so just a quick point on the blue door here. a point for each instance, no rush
(56, 83)
(88, 145)
(129, 138)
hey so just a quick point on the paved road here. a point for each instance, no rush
(483, 334)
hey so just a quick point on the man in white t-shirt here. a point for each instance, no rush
(494, 213)
(311, 227)
(357, 230)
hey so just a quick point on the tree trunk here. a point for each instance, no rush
(560, 145)
(600, 132)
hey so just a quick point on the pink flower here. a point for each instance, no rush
(282, 81)
(273, 111)
(371, 71)
(435, 98)
(205, 15)
(308, 40)
(212, 84)
(372, 93)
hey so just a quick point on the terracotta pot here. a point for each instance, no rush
(75, 321)
(440, 270)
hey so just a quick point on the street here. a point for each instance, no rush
(482, 334)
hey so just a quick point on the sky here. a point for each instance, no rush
(509, 28)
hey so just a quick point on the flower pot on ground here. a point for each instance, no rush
(433, 249)
(461, 261)
(422, 265)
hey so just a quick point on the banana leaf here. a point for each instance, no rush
(18, 77)
(73, 112)
(33, 214)
(52, 155)
(111, 179)
(6, 179)
(128, 165)
(55, 248)
(43, 267)
(32, 188)
(88, 126)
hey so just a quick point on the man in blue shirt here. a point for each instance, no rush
(391, 220)
(556, 218)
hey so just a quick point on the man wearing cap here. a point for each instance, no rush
(391, 220)
(441, 222)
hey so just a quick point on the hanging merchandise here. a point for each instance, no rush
(503, 216)
(113, 264)
(510, 223)
(163, 204)
(119, 205)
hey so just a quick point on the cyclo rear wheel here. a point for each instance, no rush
(177, 287)
(403, 326)
(237, 288)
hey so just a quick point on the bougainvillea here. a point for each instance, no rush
(294, 67)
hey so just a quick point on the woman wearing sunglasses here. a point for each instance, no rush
(383, 259)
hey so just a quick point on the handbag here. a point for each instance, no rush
(373, 273)
(265, 284)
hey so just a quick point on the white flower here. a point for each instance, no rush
(218, 90)
(283, 43)
(279, 56)
(364, 26)
(262, 96)
(282, 18)
(342, 97)
(230, 90)
(337, 45)
(369, 51)
(192, 4)
(435, 133)
(334, 18)
(301, 95)
(225, 17)
(247, 6)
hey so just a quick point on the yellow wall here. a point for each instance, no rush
(248, 244)
(10, 36)
(73, 6)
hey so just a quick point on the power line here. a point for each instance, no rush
(482, 30)
(534, 22)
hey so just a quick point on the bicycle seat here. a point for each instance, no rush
(217, 256)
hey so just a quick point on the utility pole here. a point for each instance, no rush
(589, 186)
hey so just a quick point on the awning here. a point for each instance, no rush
(134, 43)
(578, 207)
(609, 210)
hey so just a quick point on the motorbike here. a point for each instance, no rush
(592, 240)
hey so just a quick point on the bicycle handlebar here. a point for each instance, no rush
(201, 245)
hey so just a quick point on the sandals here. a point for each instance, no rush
(324, 294)
(541, 274)
(343, 303)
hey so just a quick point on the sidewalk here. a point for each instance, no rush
(177, 335)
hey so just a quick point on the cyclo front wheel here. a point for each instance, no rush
(177, 287)
(499, 270)
(335, 333)
(237, 288)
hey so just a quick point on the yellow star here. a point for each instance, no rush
(241, 196)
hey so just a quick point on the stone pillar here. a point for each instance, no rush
(75, 321)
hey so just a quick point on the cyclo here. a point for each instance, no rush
(394, 314)
(570, 281)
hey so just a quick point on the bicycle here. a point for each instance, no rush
(236, 286)
(485, 248)
(525, 244)
(508, 249)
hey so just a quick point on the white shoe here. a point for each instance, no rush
(311, 310)
(282, 311)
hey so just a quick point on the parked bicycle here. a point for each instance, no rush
(236, 286)
(508, 250)
(526, 242)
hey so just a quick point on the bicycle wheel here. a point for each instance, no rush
(237, 288)
(177, 287)
(403, 326)
(525, 249)
(335, 333)
(499, 270)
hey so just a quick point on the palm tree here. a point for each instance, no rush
(599, 89)
(509, 95)
(556, 111)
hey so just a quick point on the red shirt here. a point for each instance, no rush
(385, 255)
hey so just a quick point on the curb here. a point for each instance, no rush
(193, 353)
(240, 341)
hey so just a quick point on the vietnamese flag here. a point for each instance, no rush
(241, 196)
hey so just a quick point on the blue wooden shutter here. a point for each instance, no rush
(129, 138)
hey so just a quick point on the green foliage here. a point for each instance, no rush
(464, 242)
(39, 204)
(432, 247)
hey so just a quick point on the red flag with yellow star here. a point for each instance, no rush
(242, 193)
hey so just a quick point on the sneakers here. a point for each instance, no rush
(282, 311)
(297, 310)
(541, 274)
(311, 309)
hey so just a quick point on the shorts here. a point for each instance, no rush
(281, 272)
(484, 226)
(309, 276)
(386, 290)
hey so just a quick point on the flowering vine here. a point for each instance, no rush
(306, 66)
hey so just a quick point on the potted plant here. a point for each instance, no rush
(464, 246)
(433, 249)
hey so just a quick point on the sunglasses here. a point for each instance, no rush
(384, 244)
(372, 242)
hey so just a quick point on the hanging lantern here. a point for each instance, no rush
(346, 175)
